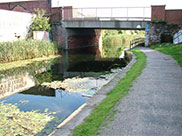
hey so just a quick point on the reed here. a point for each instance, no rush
(26, 49)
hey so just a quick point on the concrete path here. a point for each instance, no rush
(153, 107)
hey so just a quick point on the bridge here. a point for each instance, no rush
(78, 25)
(107, 18)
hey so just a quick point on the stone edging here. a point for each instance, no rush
(77, 117)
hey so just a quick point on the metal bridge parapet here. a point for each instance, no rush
(107, 13)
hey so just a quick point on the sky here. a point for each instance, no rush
(170, 4)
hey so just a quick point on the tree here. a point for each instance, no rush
(40, 22)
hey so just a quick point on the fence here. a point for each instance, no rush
(14, 24)
(136, 42)
(111, 13)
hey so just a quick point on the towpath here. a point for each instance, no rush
(153, 107)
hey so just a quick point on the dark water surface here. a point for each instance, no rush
(59, 101)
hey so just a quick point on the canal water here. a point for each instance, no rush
(73, 73)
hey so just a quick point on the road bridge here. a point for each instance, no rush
(80, 26)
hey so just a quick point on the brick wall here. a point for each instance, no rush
(174, 16)
(5, 6)
(84, 38)
(170, 16)
(77, 38)
(56, 33)
(68, 13)
(56, 14)
(158, 12)
(59, 13)
(27, 6)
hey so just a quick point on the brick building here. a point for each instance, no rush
(27, 6)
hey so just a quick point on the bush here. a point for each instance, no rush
(26, 49)
(40, 23)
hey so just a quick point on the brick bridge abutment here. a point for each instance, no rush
(77, 38)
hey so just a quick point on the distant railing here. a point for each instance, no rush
(111, 13)
(136, 42)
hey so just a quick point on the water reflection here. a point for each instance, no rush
(42, 91)
(59, 101)
(73, 63)
(77, 63)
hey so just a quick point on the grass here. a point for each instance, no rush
(26, 49)
(170, 49)
(100, 113)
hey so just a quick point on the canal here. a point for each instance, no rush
(36, 98)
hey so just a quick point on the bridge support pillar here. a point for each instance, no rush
(147, 29)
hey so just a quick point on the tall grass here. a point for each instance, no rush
(26, 49)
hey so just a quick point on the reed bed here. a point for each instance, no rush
(26, 49)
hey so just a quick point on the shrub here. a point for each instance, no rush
(40, 22)
(26, 49)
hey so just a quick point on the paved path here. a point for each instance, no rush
(153, 107)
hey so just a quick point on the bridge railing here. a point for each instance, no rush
(136, 42)
(111, 13)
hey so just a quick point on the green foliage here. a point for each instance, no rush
(40, 23)
(99, 114)
(26, 49)
(113, 46)
(115, 41)
(15, 122)
(170, 49)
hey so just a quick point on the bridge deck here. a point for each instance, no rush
(112, 24)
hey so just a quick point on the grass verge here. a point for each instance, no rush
(170, 49)
(99, 114)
